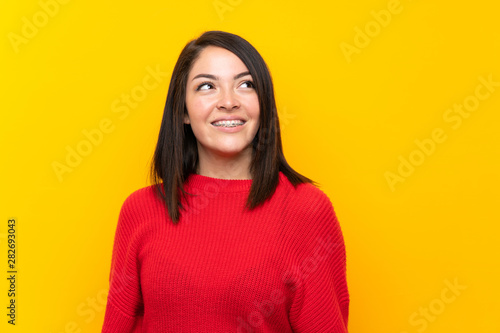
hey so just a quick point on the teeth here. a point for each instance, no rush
(228, 123)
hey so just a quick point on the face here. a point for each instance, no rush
(222, 104)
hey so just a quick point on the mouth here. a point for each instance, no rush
(228, 123)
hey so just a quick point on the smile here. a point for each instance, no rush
(228, 123)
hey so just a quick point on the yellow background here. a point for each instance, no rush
(347, 121)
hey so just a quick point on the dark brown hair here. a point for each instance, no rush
(176, 154)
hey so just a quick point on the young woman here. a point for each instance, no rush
(228, 238)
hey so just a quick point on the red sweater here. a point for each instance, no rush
(278, 268)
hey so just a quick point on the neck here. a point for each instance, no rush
(225, 166)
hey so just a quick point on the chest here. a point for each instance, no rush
(218, 264)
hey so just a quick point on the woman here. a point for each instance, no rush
(228, 238)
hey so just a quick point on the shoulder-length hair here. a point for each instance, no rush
(176, 153)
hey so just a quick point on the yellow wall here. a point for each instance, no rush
(385, 103)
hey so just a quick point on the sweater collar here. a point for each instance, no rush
(210, 184)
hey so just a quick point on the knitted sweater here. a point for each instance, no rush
(223, 268)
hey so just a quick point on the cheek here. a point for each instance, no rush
(198, 107)
(253, 107)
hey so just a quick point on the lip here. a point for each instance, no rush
(229, 118)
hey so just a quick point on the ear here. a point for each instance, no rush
(186, 119)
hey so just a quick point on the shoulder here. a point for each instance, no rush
(309, 209)
(140, 204)
(143, 194)
(307, 198)
(312, 214)
(310, 193)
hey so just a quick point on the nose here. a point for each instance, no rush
(228, 100)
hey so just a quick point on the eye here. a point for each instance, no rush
(250, 83)
(204, 84)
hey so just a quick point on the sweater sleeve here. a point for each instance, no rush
(124, 308)
(321, 301)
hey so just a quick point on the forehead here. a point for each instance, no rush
(218, 61)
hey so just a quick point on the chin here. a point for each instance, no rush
(231, 151)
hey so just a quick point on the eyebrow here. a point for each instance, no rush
(216, 78)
